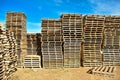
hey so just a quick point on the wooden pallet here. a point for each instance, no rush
(2, 72)
(106, 71)
(52, 61)
(32, 61)
(111, 63)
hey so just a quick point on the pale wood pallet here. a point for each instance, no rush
(31, 61)
(107, 71)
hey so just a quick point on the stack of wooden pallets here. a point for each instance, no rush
(111, 47)
(2, 72)
(33, 58)
(72, 38)
(16, 22)
(8, 56)
(51, 47)
(33, 44)
(93, 36)
(32, 61)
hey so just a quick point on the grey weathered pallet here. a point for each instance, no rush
(111, 56)
(93, 36)
(106, 71)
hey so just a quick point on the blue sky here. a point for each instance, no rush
(35, 10)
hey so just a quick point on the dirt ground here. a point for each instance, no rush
(60, 74)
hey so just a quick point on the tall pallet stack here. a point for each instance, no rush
(111, 49)
(72, 37)
(33, 44)
(51, 47)
(8, 56)
(16, 22)
(93, 37)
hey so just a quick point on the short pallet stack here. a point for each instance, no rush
(33, 44)
(9, 54)
(51, 47)
(93, 36)
(111, 49)
(32, 61)
(72, 37)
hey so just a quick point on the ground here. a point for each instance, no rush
(60, 74)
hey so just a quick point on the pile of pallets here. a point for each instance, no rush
(106, 71)
(2, 72)
(93, 37)
(32, 61)
(72, 38)
(111, 47)
(16, 22)
(51, 47)
(8, 56)
(33, 44)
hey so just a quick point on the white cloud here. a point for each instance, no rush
(33, 27)
(106, 7)
(58, 2)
